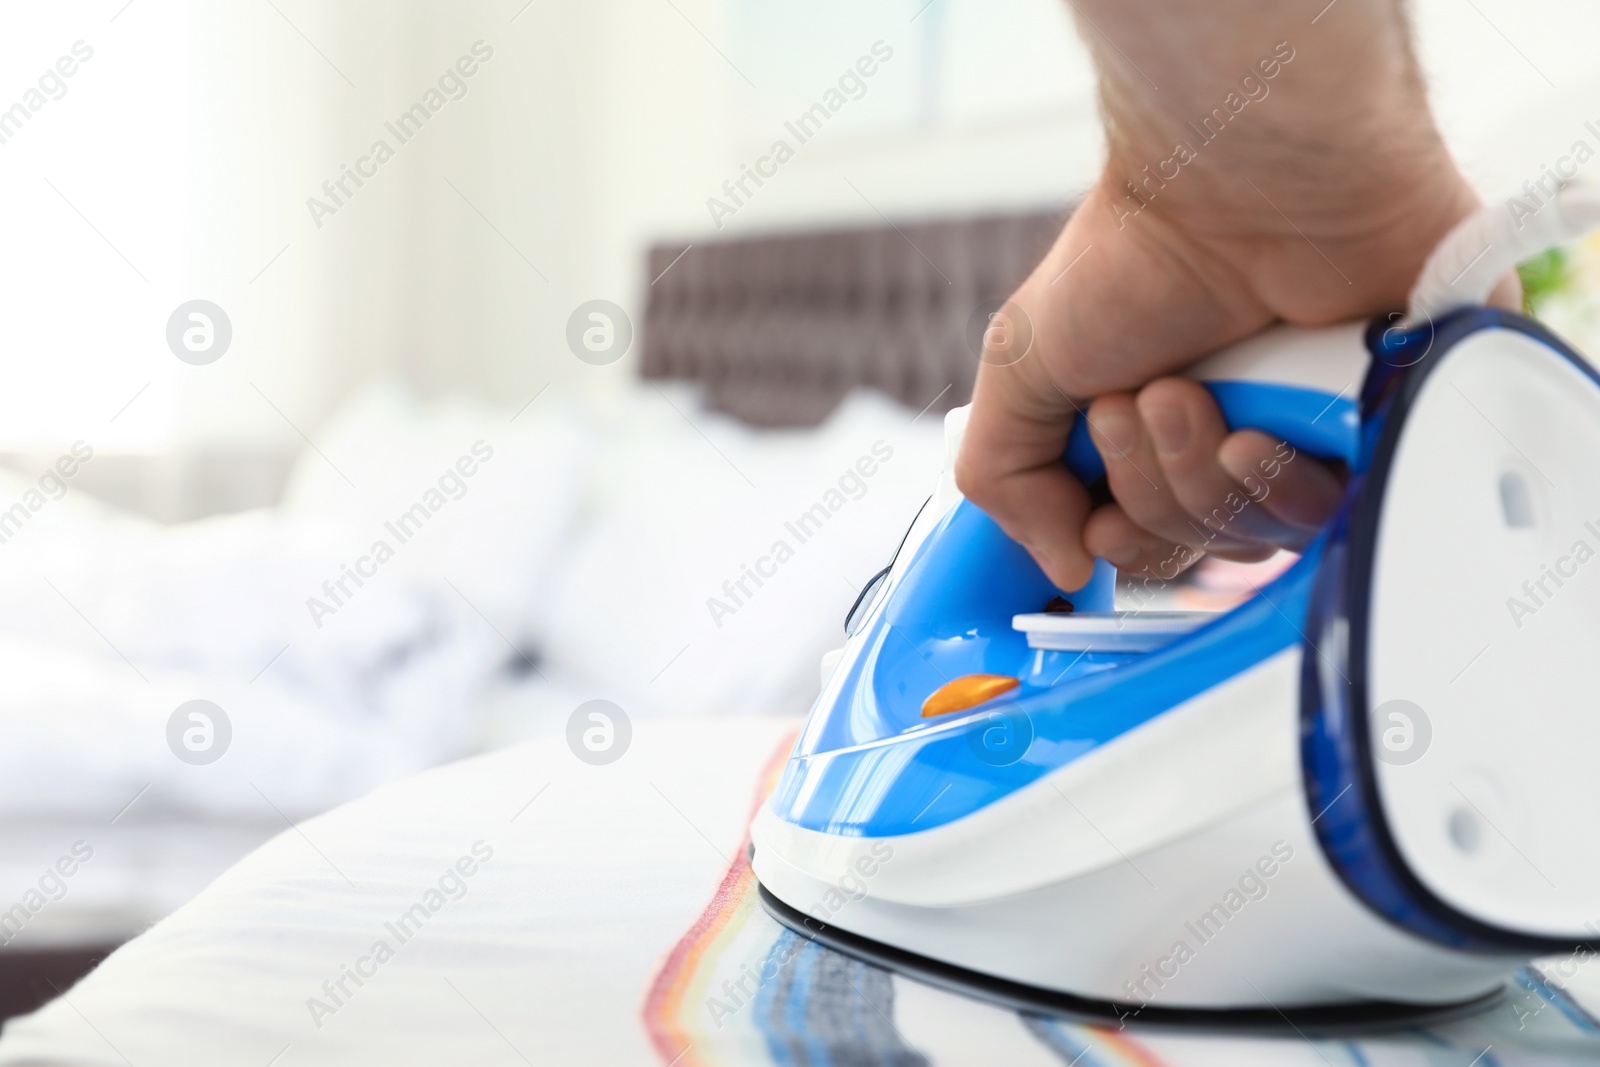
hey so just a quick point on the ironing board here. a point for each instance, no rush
(609, 916)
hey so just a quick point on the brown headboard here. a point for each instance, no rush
(779, 327)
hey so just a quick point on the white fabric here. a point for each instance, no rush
(109, 625)
(687, 505)
(149, 857)
(108, 622)
(123, 876)
(547, 950)
(503, 485)
(554, 943)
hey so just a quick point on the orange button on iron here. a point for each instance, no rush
(965, 692)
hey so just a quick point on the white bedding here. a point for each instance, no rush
(714, 563)
(590, 534)
(555, 898)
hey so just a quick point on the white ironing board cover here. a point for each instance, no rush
(575, 914)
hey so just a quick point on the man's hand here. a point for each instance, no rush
(1316, 202)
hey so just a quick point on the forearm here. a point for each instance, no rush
(1255, 84)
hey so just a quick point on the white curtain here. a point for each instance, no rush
(177, 162)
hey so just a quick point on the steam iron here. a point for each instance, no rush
(1358, 800)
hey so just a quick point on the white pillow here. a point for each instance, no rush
(455, 489)
(718, 561)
